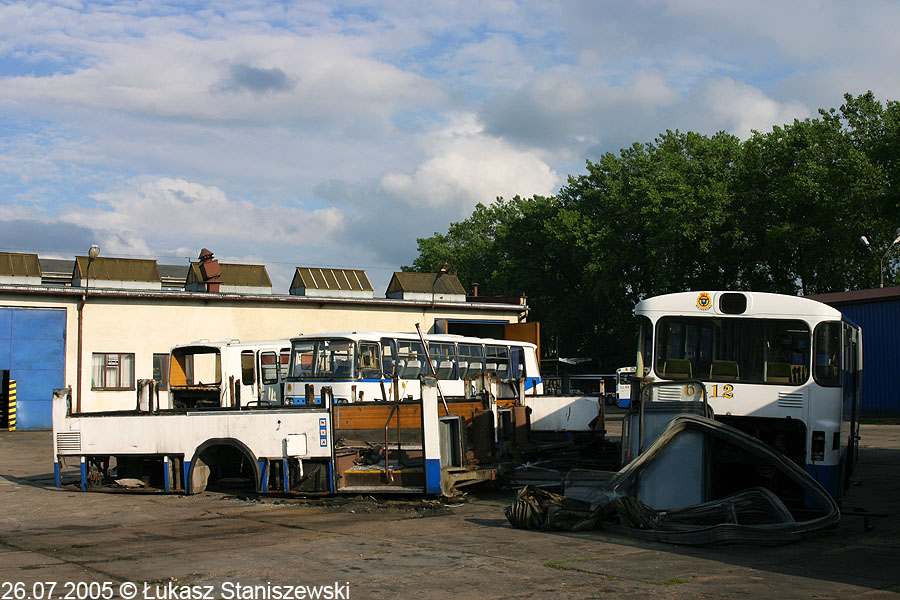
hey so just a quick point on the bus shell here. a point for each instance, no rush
(356, 366)
(782, 368)
(226, 417)
(228, 373)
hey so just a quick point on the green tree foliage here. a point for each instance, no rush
(781, 211)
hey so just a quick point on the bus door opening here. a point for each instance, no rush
(272, 367)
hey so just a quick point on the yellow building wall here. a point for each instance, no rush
(146, 325)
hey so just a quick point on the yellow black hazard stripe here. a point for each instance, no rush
(12, 405)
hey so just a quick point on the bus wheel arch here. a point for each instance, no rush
(219, 458)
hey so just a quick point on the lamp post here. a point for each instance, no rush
(896, 241)
(93, 253)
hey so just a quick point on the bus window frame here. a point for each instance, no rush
(364, 372)
(768, 330)
(836, 361)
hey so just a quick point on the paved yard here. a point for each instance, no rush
(410, 547)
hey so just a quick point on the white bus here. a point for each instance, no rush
(782, 368)
(337, 423)
(224, 422)
(356, 366)
(228, 373)
(623, 386)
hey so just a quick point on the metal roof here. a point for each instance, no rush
(19, 265)
(239, 275)
(331, 279)
(116, 269)
(859, 296)
(426, 283)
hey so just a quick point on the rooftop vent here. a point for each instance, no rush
(116, 273)
(428, 287)
(331, 283)
(20, 269)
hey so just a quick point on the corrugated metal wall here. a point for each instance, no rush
(33, 349)
(880, 322)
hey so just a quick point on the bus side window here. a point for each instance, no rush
(285, 361)
(471, 360)
(497, 361)
(443, 358)
(517, 362)
(247, 368)
(387, 357)
(368, 361)
(827, 353)
(268, 368)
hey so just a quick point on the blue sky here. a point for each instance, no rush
(336, 133)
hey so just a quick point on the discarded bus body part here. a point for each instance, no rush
(305, 417)
(658, 404)
(747, 515)
(361, 447)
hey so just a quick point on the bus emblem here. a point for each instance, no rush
(704, 302)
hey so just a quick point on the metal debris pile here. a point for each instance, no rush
(753, 515)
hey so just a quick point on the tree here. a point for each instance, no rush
(781, 212)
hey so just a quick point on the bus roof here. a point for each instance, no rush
(234, 343)
(407, 335)
(758, 304)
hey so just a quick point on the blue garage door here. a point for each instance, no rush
(33, 348)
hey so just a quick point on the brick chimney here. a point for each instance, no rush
(211, 271)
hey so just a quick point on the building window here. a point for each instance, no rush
(161, 370)
(112, 371)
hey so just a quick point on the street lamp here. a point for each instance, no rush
(93, 252)
(883, 256)
(896, 241)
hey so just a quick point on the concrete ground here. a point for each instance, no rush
(410, 547)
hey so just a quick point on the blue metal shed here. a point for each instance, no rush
(877, 311)
(33, 350)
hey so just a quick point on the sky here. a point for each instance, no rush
(334, 134)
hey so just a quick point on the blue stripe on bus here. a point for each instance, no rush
(623, 402)
(827, 476)
(432, 476)
(186, 467)
(264, 476)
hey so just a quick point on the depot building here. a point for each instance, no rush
(98, 324)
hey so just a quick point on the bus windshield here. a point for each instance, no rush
(322, 359)
(744, 350)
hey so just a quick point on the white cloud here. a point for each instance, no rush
(150, 215)
(466, 167)
(176, 76)
(740, 108)
(335, 134)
